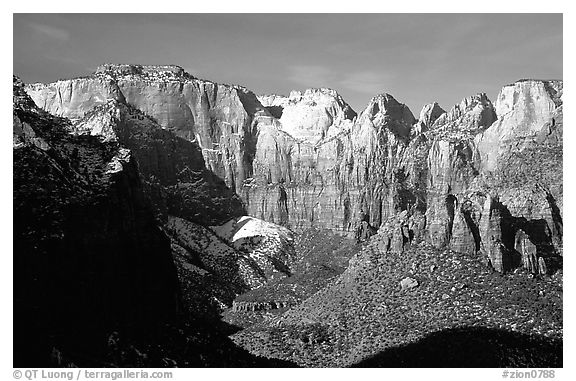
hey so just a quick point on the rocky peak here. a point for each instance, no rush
(21, 100)
(384, 110)
(521, 94)
(472, 115)
(315, 93)
(388, 107)
(523, 108)
(310, 115)
(429, 114)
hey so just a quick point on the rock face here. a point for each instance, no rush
(494, 183)
(296, 158)
(172, 168)
(221, 119)
(429, 114)
(281, 177)
(522, 109)
(326, 184)
(89, 257)
(310, 116)
(307, 160)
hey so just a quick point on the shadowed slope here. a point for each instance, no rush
(471, 347)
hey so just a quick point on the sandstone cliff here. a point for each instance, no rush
(326, 180)
(219, 118)
(97, 282)
(184, 193)
(310, 116)
(307, 160)
(172, 168)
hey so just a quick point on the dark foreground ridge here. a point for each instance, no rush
(94, 279)
(471, 347)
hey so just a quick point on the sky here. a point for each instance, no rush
(418, 58)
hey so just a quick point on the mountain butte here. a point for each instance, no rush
(481, 178)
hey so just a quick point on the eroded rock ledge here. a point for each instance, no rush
(261, 306)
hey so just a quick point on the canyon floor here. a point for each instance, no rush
(458, 313)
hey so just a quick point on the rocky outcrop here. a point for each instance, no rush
(312, 115)
(242, 306)
(428, 115)
(521, 159)
(269, 246)
(453, 163)
(328, 183)
(89, 257)
(522, 109)
(172, 168)
(491, 235)
(528, 250)
(400, 231)
(485, 174)
(219, 118)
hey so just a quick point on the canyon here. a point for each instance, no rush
(282, 215)
(307, 160)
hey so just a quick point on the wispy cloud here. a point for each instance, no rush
(310, 75)
(51, 32)
(192, 70)
(365, 82)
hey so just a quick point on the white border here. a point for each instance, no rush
(304, 6)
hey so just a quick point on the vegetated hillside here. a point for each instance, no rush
(88, 256)
(211, 273)
(451, 299)
(268, 245)
(321, 256)
(185, 195)
(94, 280)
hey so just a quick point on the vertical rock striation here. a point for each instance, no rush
(173, 169)
(326, 182)
(307, 160)
(219, 118)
